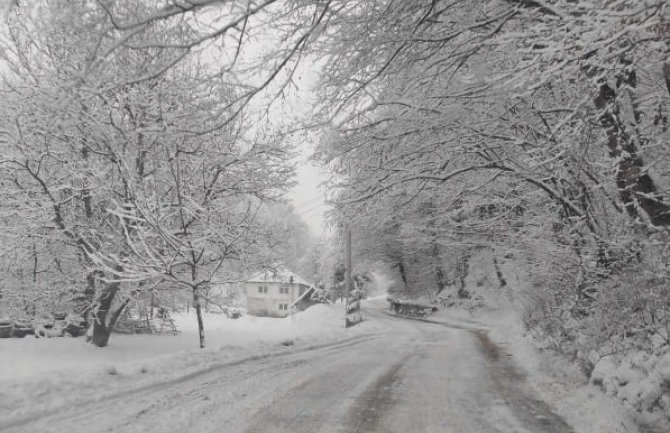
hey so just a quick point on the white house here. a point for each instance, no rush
(274, 292)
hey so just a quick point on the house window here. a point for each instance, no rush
(283, 290)
(262, 289)
(283, 307)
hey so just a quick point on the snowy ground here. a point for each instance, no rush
(395, 376)
(47, 373)
(556, 377)
(558, 381)
(43, 376)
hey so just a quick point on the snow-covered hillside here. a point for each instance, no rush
(502, 295)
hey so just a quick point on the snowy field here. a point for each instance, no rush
(47, 373)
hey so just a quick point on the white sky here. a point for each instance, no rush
(308, 196)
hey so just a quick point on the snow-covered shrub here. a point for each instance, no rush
(581, 308)
(613, 322)
(631, 313)
(639, 378)
(551, 303)
(320, 295)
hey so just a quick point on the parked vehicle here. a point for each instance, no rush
(15, 328)
(22, 328)
(6, 327)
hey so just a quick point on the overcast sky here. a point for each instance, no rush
(308, 196)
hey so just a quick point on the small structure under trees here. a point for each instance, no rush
(140, 321)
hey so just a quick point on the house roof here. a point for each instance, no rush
(278, 275)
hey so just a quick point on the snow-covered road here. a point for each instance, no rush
(412, 377)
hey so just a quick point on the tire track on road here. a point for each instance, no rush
(147, 393)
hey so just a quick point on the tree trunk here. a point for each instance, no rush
(104, 315)
(636, 188)
(499, 274)
(198, 313)
(435, 247)
(437, 258)
(462, 270)
(101, 331)
(403, 272)
(666, 74)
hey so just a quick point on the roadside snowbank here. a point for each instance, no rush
(499, 290)
(44, 374)
(639, 378)
(555, 379)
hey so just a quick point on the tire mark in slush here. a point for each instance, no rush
(369, 408)
(86, 410)
(511, 384)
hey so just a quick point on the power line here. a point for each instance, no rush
(309, 209)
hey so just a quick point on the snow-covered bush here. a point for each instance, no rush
(631, 312)
(551, 301)
(614, 325)
(639, 378)
(320, 296)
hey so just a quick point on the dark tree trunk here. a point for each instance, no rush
(437, 259)
(636, 188)
(395, 248)
(499, 274)
(429, 209)
(196, 300)
(403, 272)
(102, 332)
(462, 270)
(666, 74)
(198, 313)
(104, 315)
(439, 276)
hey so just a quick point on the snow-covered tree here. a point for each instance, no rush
(141, 159)
(512, 124)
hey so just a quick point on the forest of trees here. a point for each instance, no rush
(537, 129)
(131, 157)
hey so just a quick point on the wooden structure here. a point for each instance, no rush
(411, 308)
(138, 321)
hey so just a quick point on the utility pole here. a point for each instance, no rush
(347, 234)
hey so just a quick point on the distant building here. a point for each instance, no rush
(276, 292)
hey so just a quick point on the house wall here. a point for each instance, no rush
(269, 304)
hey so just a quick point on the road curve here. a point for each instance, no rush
(414, 377)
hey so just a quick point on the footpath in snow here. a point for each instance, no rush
(45, 374)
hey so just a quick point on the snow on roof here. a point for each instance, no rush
(278, 275)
